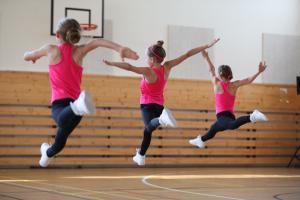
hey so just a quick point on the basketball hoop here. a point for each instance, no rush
(88, 27)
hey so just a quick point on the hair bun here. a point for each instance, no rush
(160, 43)
(73, 36)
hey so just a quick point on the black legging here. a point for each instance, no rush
(150, 115)
(225, 120)
(66, 121)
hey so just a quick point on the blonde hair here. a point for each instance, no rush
(70, 30)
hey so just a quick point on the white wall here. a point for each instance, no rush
(139, 23)
(283, 55)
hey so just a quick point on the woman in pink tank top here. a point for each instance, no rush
(65, 71)
(225, 92)
(152, 86)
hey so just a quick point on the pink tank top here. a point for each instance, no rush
(224, 101)
(153, 92)
(65, 77)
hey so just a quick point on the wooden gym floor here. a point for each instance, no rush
(151, 184)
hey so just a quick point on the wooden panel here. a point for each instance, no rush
(111, 135)
(32, 88)
(129, 123)
(163, 133)
(135, 113)
(133, 142)
(24, 110)
(156, 161)
(100, 151)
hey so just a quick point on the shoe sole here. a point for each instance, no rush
(193, 144)
(137, 162)
(42, 165)
(91, 109)
(170, 116)
(200, 147)
(263, 116)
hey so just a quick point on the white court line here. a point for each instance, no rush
(20, 180)
(73, 188)
(104, 177)
(225, 176)
(144, 180)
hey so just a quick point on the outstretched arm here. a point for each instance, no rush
(262, 66)
(37, 54)
(172, 63)
(211, 68)
(126, 66)
(125, 52)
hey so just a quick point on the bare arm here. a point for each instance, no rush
(37, 54)
(172, 63)
(126, 66)
(125, 52)
(262, 66)
(211, 67)
(214, 78)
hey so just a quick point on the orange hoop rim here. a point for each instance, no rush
(88, 27)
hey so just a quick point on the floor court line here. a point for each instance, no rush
(7, 196)
(277, 196)
(227, 176)
(73, 188)
(57, 184)
(145, 181)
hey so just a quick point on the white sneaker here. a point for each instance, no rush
(166, 118)
(197, 142)
(257, 116)
(138, 158)
(45, 160)
(83, 105)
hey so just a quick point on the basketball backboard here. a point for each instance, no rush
(89, 13)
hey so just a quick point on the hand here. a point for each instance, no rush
(126, 52)
(27, 57)
(107, 62)
(204, 54)
(213, 42)
(262, 66)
